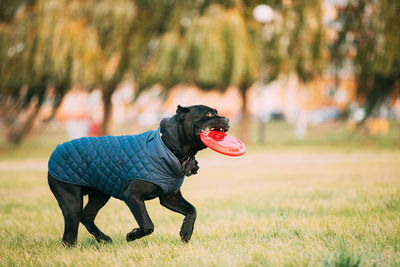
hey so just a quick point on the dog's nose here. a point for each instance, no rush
(227, 123)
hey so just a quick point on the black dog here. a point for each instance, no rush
(179, 135)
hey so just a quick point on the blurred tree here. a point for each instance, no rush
(216, 52)
(368, 37)
(47, 46)
(219, 46)
(303, 39)
(114, 23)
(126, 30)
(44, 51)
(211, 49)
(24, 81)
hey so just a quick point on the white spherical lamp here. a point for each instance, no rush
(263, 13)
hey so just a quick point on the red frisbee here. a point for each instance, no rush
(223, 143)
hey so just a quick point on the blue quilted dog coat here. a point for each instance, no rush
(107, 163)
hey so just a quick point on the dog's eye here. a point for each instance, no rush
(209, 114)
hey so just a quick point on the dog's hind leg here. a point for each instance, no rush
(96, 201)
(135, 193)
(70, 199)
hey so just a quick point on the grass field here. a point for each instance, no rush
(293, 204)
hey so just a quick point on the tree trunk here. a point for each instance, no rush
(244, 123)
(107, 110)
(20, 130)
(117, 77)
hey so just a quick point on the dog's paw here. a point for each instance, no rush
(133, 235)
(186, 233)
(191, 167)
(103, 239)
(68, 244)
(195, 169)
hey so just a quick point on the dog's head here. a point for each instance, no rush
(182, 131)
(196, 119)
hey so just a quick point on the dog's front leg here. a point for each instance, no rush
(134, 198)
(177, 203)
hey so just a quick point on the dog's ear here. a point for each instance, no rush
(181, 111)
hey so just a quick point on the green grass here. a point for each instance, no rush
(263, 209)
(319, 203)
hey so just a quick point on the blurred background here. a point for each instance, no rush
(310, 86)
(285, 72)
